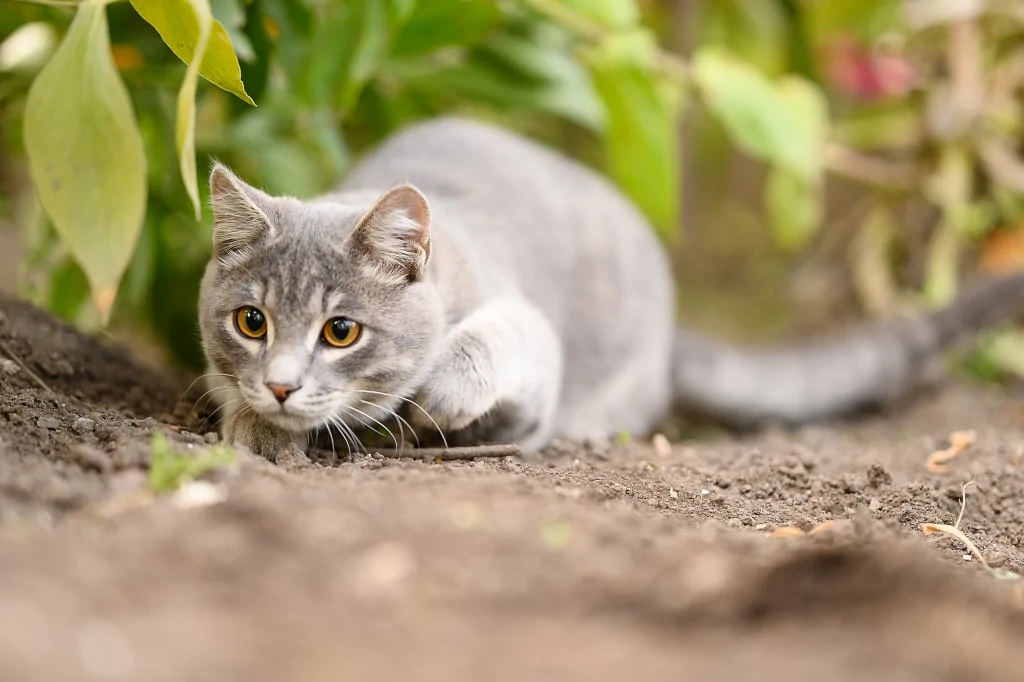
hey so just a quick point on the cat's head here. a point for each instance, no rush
(317, 308)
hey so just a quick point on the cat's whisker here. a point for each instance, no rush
(210, 393)
(349, 435)
(230, 402)
(402, 423)
(411, 402)
(334, 454)
(332, 420)
(197, 380)
(378, 423)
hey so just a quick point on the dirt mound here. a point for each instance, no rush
(597, 561)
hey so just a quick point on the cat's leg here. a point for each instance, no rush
(245, 427)
(497, 378)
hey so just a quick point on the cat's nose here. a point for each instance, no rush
(281, 391)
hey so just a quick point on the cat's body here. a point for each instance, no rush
(520, 297)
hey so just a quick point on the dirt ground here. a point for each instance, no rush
(600, 561)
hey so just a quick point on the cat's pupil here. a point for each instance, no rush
(341, 328)
(254, 320)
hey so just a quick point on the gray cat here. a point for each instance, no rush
(503, 293)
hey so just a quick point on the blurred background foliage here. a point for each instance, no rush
(806, 161)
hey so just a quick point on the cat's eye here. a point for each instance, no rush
(341, 332)
(251, 322)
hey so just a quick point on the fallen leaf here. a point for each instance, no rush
(786, 532)
(1003, 251)
(958, 440)
(931, 528)
(823, 526)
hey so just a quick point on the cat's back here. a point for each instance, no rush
(520, 204)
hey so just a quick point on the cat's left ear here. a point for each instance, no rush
(394, 236)
(239, 212)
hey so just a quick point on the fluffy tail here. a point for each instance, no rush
(833, 375)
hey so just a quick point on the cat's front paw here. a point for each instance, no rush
(454, 400)
(260, 436)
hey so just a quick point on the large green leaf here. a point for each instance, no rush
(641, 141)
(780, 122)
(86, 155)
(185, 125)
(179, 25)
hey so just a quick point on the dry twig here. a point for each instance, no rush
(28, 370)
(450, 454)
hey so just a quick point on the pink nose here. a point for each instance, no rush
(281, 391)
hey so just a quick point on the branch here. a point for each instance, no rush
(452, 454)
(870, 170)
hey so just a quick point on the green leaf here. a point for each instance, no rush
(795, 207)
(617, 14)
(434, 24)
(346, 51)
(178, 23)
(641, 141)
(783, 123)
(757, 31)
(86, 155)
(185, 125)
(231, 14)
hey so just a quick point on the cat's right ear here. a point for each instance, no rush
(239, 214)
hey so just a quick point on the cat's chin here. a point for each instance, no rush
(292, 422)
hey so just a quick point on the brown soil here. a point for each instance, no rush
(596, 562)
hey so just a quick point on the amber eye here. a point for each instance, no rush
(341, 332)
(251, 322)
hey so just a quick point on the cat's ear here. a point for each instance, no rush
(239, 214)
(394, 236)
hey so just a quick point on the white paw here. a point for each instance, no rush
(454, 400)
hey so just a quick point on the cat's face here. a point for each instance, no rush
(318, 310)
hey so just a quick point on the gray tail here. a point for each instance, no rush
(834, 375)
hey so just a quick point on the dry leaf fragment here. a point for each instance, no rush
(1003, 251)
(786, 532)
(661, 445)
(823, 526)
(930, 528)
(958, 440)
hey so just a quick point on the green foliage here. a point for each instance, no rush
(169, 470)
(117, 136)
(86, 154)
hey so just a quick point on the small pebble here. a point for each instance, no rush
(673, 494)
(199, 494)
(734, 523)
(874, 505)
(661, 445)
(83, 425)
(48, 423)
(9, 366)
(211, 437)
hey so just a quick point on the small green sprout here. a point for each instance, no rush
(168, 470)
